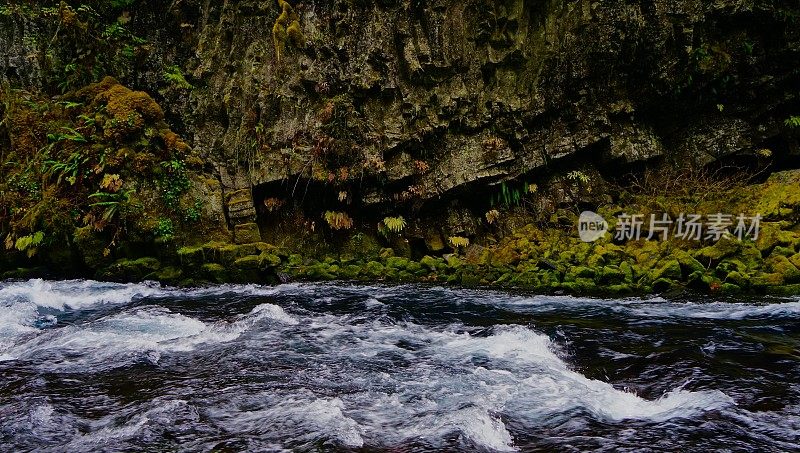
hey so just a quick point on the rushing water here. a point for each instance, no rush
(88, 366)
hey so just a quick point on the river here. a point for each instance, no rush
(91, 366)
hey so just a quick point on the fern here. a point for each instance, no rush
(458, 241)
(394, 224)
(338, 220)
(174, 75)
(579, 176)
(492, 216)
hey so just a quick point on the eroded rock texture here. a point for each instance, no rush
(417, 107)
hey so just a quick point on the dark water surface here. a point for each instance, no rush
(88, 366)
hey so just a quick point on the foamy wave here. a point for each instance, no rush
(480, 428)
(718, 310)
(140, 333)
(81, 294)
(74, 294)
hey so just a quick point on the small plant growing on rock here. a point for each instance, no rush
(420, 166)
(174, 75)
(375, 164)
(273, 204)
(492, 216)
(286, 29)
(164, 229)
(338, 220)
(394, 224)
(458, 242)
(579, 176)
(111, 183)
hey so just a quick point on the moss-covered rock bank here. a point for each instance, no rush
(451, 140)
(543, 258)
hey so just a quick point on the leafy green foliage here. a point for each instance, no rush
(579, 176)
(70, 165)
(164, 228)
(458, 242)
(193, 213)
(338, 220)
(793, 121)
(29, 243)
(112, 203)
(512, 195)
(68, 169)
(174, 75)
(173, 183)
(395, 224)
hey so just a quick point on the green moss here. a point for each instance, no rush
(130, 270)
(215, 273)
(374, 269)
(269, 260)
(192, 257)
(721, 249)
(431, 263)
(669, 270)
(169, 275)
(286, 29)
(764, 280)
(781, 265)
(730, 288)
(248, 262)
(738, 278)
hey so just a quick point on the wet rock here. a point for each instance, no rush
(246, 233)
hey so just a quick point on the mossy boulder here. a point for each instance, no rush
(215, 272)
(319, 271)
(268, 260)
(781, 265)
(622, 289)
(191, 257)
(782, 250)
(723, 248)
(350, 271)
(612, 274)
(431, 263)
(671, 269)
(730, 288)
(374, 269)
(580, 272)
(453, 261)
(169, 275)
(688, 263)
(130, 270)
(763, 280)
(248, 262)
(661, 285)
(784, 290)
(579, 286)
(228, 254)
(246, 233)
(738, 278)
(397, 262)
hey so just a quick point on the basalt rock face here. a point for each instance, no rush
(422, 108)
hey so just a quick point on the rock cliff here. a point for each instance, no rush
(313, 120)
